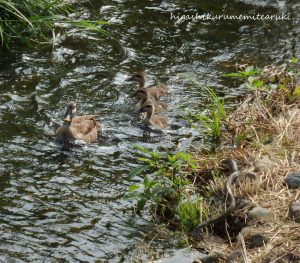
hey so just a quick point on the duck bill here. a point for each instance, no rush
(130, 79)
(68, 116)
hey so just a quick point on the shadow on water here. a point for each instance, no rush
(63, 203)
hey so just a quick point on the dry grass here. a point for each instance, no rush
(265, 115)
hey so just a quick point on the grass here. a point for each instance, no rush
(191, 211)
(211, 117)
(33, 21)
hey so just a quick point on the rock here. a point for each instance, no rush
(185, 255)
(294, 211)
(244, 175)
(263, 165)
(241, 203)
(258, 240)
(234, 256)
(245, 232)
(293, 180)
(213, 258)
(258, 212)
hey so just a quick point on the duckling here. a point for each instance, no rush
(143, 95)
(154, 92)
(160, 120)
(79, 128)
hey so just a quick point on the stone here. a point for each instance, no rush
(293, 180)
(264, 164)
(244, 175)
(245, 232)
(294, 211)
(241, 203)
(213, 258)
(258, 240)
(258, 212)
(234, 256)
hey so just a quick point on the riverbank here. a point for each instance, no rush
(263, 136)
(255, 216)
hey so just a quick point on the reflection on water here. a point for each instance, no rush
(65, 205)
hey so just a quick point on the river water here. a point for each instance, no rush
(60, 205)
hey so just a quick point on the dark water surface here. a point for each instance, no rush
(67, 206)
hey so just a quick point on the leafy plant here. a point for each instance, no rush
(170, 172)
(277, 78)
(253, 82)
(211, 117)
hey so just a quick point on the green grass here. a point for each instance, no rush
(211, 117)
(190, 211)
(35, 21)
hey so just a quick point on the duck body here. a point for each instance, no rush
(79, 128)
(143, 95)
(159, 120)
(154, 92)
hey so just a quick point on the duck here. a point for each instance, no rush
(159, 120)
(143, 95)
(154, 92)
(78, 128)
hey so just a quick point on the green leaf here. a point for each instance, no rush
(141, 204)
(233, 75)
(133, 187)
(147, 192)
(185, 182)
(249, 69)
(138, 170)
(148, 183)
(172, 159)
(140, 148)
(132, 195)
(283, 88)
(47, 18)
(258, 83)
(293, 60)
(144, 160)
(296, 91)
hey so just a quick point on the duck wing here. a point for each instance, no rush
(85, 128)
(158, 91)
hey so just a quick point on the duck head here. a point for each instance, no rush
(140, 93)
(70, 111)
(139, 77)
(149, 109)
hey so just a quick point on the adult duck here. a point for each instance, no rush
(78, 128)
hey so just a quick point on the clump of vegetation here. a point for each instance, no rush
(34, 21)
(169, 188)
(191, 211)
(211, 117)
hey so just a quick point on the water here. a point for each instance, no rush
(67, 206)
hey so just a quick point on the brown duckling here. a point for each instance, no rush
(79, 128)
(154, 92)
(160, 120)
(143, 95)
